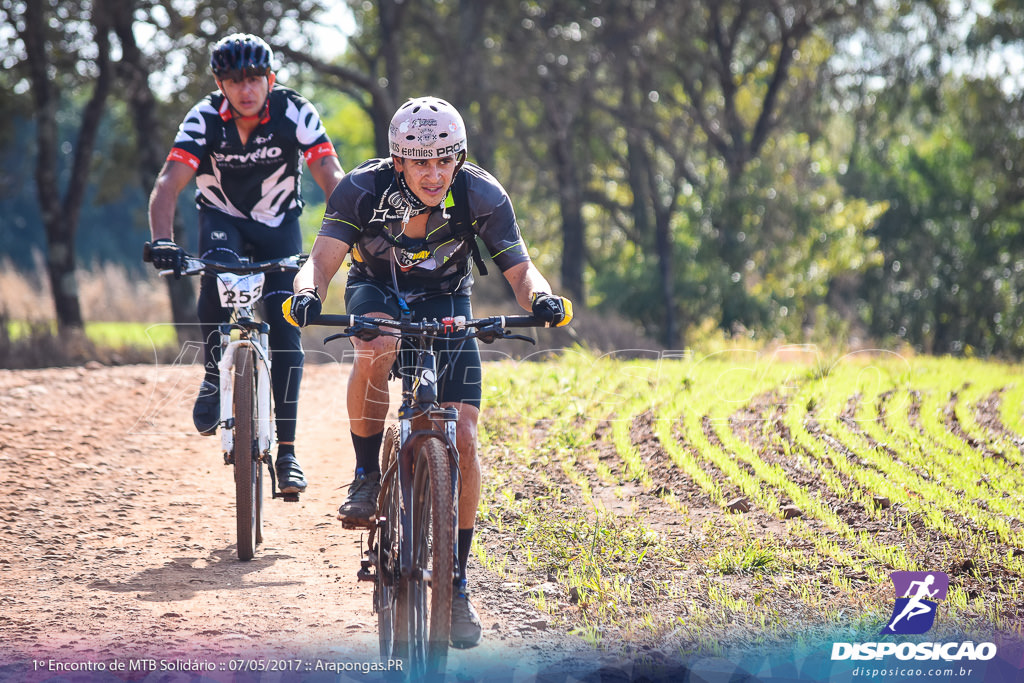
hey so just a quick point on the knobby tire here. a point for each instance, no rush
(248, 484)
(391, 633)
(425, 607)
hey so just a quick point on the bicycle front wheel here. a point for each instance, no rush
(425, 591)
(390, 632)
(248, 473)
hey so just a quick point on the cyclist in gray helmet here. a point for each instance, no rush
(410, 224)
(244, 145)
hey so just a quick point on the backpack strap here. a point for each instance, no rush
(383, 174)
(460, 222)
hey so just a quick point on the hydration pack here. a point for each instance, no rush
(459, 223)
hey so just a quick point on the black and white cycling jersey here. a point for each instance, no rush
(260, 179)
(440, 263)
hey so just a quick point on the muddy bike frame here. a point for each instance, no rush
(414, 541)
(246, 404)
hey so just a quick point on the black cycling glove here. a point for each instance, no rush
(306, 306)
(166, 255)
(556, 311)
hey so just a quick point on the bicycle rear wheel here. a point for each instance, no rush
(248, 473)
(425, 590)
(390, 632)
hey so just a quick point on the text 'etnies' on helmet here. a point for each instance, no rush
(427, 128)
(240, 55)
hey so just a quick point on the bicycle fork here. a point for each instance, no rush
(265, 425)
(449, 416)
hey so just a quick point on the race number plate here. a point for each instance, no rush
(239, 290)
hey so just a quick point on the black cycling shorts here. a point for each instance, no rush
(458, 363)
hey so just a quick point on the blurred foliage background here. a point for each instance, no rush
(804, 170)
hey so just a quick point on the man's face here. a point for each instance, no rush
(428, 179)
(246, 94)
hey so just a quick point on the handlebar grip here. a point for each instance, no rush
(523, 321)
(147, 253)
(333, 320)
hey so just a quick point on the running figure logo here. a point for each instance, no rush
(917, 597)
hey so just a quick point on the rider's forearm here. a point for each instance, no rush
(325, 258)
(526, 281)
(327, 173)
(173, 178)
(162, 204)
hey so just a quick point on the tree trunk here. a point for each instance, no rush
(666, 278)
(150, 147)
(645, 203)
(60, 217)
(570, 201)
(472, 88)
(738, 307)
(389, 13)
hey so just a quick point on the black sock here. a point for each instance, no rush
(465, 541)
(286, 449)
(367, 452)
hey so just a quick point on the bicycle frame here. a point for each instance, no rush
(229, 347)
(247, 359)
(401, 589)
(419, 399)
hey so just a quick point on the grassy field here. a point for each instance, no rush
(682, 501)
(751, 497)
(108, 334)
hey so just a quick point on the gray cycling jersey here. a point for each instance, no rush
(437, 265)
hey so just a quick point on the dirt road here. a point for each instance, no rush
(117, 545)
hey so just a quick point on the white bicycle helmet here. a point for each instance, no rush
(427, 128)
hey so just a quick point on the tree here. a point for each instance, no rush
(941, 147)
(371, 72)
(134, 72)
(53, 56)
(697, 99)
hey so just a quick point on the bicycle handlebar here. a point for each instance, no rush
(486, 330)
(196, 266)
(460, 322)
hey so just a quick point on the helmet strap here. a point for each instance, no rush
(413, 205)
(458, 167)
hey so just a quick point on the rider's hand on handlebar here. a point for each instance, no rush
(556, 311)
(303, 307)
(166, 255)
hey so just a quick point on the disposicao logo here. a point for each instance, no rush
(917, 598)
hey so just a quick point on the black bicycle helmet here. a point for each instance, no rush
(240, 55)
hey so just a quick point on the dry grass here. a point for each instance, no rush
(107, 292)
(112, 293)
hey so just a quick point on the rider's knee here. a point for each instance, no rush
(466, 431)
(375, 351)
(466, 435)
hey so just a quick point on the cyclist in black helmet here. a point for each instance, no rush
(244, 145)
(410, 224)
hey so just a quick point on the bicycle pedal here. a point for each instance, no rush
(366, 572)
(288, 497)
(353, 524)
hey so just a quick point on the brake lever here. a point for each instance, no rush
(492, 332)
(366, 333)
(488, 334)
(361, 331)
(522, 337)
